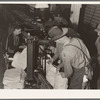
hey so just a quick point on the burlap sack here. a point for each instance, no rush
(14, 78)
(59, 82)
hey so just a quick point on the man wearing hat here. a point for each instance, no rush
(72, 58)
(97, 43)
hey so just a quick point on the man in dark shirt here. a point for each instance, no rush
(13, 41)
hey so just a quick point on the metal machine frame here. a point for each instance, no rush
(32, 64)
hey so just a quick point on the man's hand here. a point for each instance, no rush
(6, 56)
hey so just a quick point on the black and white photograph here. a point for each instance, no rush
(50, 46)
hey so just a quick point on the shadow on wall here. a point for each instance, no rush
(89, 37)
(74, 26)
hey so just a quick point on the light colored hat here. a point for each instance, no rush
(98, 28)
(56, 33)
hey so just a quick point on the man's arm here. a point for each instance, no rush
(10, 47)
(55, 57)
(66, 60)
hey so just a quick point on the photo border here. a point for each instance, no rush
(66, 94)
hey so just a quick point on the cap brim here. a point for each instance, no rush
(65, 30)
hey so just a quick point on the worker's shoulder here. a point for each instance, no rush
(73, 45)
(68, 52)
